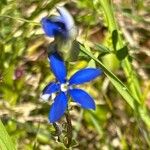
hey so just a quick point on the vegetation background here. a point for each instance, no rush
(24, 72)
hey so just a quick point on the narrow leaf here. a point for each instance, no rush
(5, 140)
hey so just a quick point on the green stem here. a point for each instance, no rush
(69, 129)
(21, 19)
(58, 131)
(126, 65)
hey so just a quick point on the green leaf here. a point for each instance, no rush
(102, 48)
(115, 39)
(4, 2)
(111, 62)
(5, 140)
(122, 53)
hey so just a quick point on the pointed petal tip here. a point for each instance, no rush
(58, 108)
(51, 88)
(93, 107)
(45, 97)
(97, 70)
(82, 98)
(66, 17)
(43, 19)
(90, 107)
(100, 71)
(52, 120)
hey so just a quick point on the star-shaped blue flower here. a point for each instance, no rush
(66, 88)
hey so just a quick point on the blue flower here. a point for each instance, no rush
(59, 26)
(66, 88)
(63, 30)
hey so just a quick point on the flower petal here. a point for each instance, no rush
(51, 27)
(84, 75)
(58, 67)
(58, 108)
(66, 17)
(49, 89)
(71, 30)
(83, 98)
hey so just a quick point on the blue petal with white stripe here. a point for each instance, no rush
(66, 17)
(49, 90)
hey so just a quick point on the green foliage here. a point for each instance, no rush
(5, 141)
(121, 120)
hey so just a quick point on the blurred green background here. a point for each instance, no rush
(24, 72)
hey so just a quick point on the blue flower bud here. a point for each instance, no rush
(63, 29)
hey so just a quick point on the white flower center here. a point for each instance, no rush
(64, 87)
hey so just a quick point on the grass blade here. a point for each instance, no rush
(5, 140)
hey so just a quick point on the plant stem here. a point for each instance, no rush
(126, 65)
(57, 131)
(69, 129)
(21, 19)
